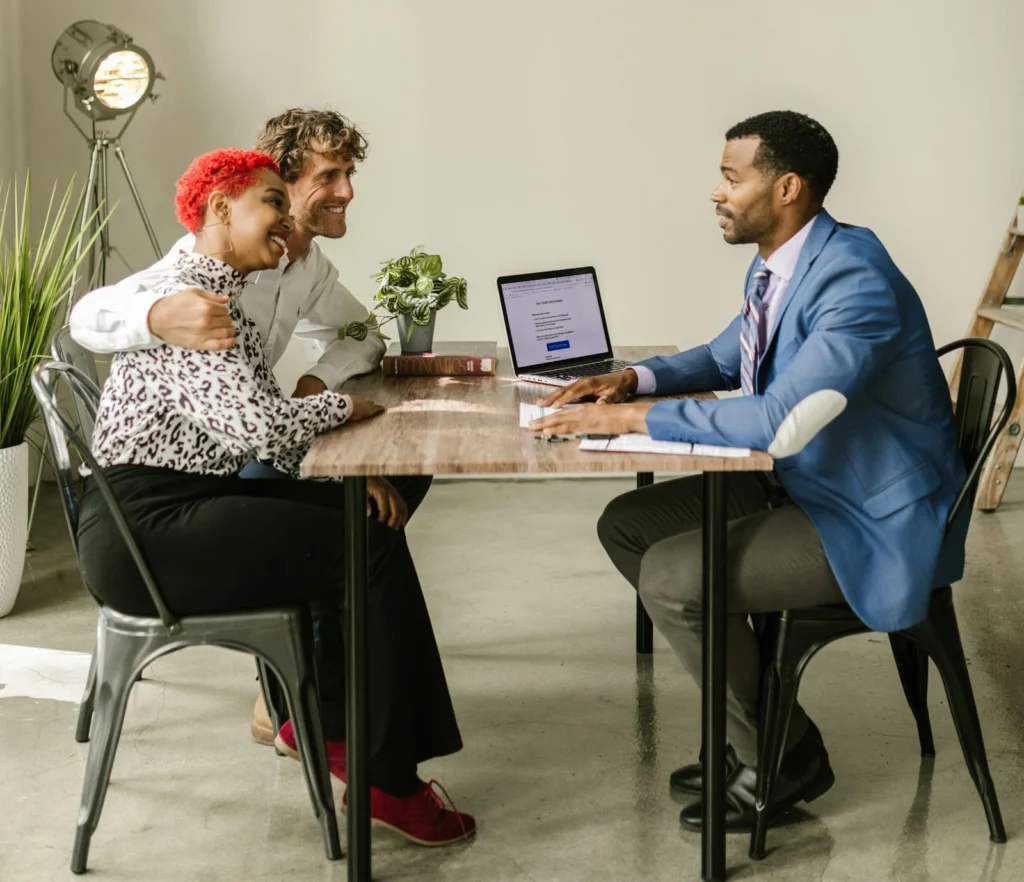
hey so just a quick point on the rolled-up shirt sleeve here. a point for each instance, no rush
(330, 307)
(116, 318)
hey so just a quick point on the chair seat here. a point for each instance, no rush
(843, 612)
(829, 611)
(264, 619)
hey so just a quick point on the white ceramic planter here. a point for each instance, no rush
(13, 522)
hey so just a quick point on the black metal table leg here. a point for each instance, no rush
(357, 752)
(712, 864)
(644, 626)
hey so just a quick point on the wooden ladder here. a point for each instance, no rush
(992, 311)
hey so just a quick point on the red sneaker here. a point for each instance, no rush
(285, 742)
(421, 818)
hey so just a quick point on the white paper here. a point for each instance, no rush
(635, 442)
(530, 412)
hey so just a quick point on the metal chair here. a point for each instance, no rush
(85, 397)
(64, 349)
(280, 637)
(791, 638)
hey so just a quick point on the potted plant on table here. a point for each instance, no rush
(36, 273)
(410, 289)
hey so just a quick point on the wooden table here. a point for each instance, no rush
(470, 425)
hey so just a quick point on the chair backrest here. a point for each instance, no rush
(984, 364)
(61, 433)
(67, 351)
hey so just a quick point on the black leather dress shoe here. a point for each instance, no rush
(805, 775)
(689, 779)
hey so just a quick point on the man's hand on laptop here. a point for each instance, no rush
(606, 389)
(193, 319)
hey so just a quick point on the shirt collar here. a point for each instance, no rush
(783, 262)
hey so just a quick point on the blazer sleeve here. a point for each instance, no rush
(854, 333)
(707, 368)
(713, 367)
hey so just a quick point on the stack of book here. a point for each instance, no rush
(457, 359)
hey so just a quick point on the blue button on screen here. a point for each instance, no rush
(560, 344)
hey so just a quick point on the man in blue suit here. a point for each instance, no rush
(841, 384)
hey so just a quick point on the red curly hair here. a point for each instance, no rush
(231, 170)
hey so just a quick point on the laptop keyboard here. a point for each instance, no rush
(590, 370)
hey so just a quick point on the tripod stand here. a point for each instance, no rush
(97, 195)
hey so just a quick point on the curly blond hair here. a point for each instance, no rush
(288, 136)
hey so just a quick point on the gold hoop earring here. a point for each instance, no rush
(227, 226)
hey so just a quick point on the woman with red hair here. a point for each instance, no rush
(174, 428)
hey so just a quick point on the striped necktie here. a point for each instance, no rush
(753, 334)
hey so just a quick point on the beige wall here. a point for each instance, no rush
(12, 118)
(532, 134)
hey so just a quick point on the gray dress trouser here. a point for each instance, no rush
(775, 561)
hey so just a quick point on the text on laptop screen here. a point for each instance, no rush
(553, 320)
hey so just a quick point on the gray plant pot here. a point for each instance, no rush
(421, 339)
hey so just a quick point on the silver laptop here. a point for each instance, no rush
(555, 325)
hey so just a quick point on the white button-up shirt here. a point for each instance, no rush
(303, 297)
(781, 265)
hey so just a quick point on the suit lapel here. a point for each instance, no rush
(824, 226)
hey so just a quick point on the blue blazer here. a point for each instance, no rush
(878, 481)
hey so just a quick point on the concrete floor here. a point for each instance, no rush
(569, 736)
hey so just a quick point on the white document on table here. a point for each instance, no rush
(530, 412)
(635, 442)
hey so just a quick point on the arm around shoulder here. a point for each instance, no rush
(115, 318)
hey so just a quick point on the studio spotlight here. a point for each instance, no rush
(107, 76)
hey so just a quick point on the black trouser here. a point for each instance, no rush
(219, 544)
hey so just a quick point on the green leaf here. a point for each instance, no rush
(405, 300)
(421, 314)
(38, 264)
(425, 286)
(355, 330)
(461, 295)
(430, 266)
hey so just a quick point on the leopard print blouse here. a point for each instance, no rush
(207, 412)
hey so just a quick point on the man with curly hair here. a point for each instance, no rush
(317, 152)
(842, 386)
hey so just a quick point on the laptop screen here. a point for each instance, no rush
(553, 318)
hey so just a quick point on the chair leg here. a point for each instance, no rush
(912, 664)
(114, 677)
(777, 701)
(271, 688)
(88, 701)
(308, 728)
(940, 636)
(293, 665)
